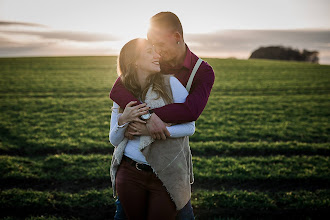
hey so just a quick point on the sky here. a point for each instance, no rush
(218, 28)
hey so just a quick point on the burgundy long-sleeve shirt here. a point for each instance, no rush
(195, 102)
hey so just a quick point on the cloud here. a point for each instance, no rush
(13, 23)
(29, 39)
(16, 29)
(240, 43)
(64, 35)
(10, 48)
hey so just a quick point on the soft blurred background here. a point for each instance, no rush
(212, 28)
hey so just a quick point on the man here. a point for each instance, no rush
(166, 35)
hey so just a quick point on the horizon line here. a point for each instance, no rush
(211, 57)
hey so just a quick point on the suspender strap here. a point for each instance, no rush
(193, 73)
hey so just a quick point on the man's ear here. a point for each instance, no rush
(177, 36)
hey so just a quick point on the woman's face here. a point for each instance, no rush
(148, 61)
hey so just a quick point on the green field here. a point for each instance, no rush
(260, 151)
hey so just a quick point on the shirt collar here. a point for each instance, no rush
(187, 60)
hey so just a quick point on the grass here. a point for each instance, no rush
(96, 167)
(237, 201)
(260, 150)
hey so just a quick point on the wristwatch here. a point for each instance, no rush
(147, 116)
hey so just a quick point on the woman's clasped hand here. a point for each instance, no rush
(132, 113)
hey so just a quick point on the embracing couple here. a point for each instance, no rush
(161, 91)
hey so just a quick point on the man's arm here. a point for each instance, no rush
(195, 103)
(121, 95)
(188, 111)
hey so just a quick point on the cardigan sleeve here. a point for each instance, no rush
(117, 132)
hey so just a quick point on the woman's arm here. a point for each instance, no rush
(119, 122)
(179, 130)
(116, 134)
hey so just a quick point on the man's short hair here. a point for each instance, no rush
(166, 20)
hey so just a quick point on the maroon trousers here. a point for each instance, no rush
(142, 194)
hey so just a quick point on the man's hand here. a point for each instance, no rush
(157, 128)
(137, 128)
(127, 133)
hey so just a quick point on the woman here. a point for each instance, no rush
(151, 177)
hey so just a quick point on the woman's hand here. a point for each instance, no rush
(138, 129)
(132, 113)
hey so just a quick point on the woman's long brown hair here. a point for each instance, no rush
(126, 69)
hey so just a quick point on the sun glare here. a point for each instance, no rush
(125, 31)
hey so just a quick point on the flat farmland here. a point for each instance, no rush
(260, 151)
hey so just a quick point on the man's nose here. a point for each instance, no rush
(156, 55)
(158, 50)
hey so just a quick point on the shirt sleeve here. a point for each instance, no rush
(179, 96)
(121, 95)
(117, 132)
(195, 102)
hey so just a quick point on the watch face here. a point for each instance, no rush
(146, 116)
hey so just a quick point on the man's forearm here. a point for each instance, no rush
(188, 111)
(121, 95)
(176, 113)
(195, 102)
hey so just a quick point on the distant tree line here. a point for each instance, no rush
(285, 53)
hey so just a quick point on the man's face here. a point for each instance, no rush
(164, 42)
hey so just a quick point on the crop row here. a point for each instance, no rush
(262, 148)
(57, 74)
(56, 125)
(200, 148)
(93, 167)
(240, 202)
(81, 73)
